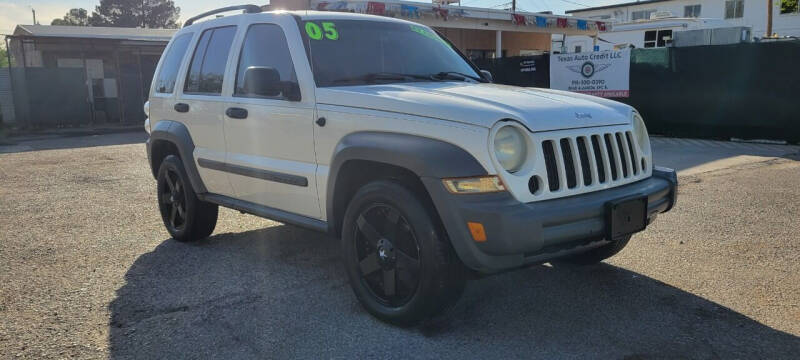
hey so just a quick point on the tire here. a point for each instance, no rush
(394, 280)
(186, 217)
(599, 254)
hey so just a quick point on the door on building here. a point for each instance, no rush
(269, 130)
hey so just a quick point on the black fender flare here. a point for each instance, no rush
(425, 157)
(177, 134)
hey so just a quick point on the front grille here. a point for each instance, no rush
(590, 160)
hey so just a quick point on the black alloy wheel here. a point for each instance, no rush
(399, 260)
(186, 217)
(173, 198)
(388, 254)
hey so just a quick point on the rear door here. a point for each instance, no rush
(200, 103)
(270, 134)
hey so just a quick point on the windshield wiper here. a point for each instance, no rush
(454, 75)
(383, 76)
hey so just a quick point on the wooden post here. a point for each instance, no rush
(769, 19)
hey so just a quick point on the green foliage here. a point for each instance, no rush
(75, 17)
(788, 6)
(3, 57)
(136, 13)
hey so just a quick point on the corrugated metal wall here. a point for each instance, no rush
(6, 97)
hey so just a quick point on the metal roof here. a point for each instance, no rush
(643, 2)
(95, 32)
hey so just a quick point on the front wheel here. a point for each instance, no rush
(398, 258)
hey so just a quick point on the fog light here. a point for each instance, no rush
(477, 231)
(474, 185)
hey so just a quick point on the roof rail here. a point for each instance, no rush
(248, 9)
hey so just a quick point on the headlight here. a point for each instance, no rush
(641, 132)
(510, 148)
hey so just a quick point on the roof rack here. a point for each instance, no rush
(248, 9)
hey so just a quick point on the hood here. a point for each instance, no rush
(482, 104)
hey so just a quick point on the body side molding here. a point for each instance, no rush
(268, 175)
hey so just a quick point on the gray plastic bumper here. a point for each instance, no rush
(524, 233)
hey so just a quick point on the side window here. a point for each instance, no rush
(165, 83)
(208, 62)
(265, 65)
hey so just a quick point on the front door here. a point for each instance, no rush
(269, 127)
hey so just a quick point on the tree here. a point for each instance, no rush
(75, 17)
(3, 57)
(788, 6)
(136, 13)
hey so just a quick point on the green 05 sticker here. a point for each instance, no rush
(328, 29)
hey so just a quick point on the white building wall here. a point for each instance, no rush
(755, 14)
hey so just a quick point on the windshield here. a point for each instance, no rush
(357, 52)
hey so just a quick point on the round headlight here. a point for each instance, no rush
(510, 148)
(641, 132)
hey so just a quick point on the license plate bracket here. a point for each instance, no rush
(625, 216)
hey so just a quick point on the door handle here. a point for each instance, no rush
(236, 113)
(182, 107)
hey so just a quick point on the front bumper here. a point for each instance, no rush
(525, 233)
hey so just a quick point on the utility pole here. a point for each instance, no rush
(514, 5)
(769, 18)
(34, 15)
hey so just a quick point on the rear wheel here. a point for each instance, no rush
(399, 261)
(599, 254)
(186, 217)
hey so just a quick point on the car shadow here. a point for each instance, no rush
(280, 292)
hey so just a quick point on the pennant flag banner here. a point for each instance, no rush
(581, 24)
(601, 26)
(541, 21)
(440, 12)
(562, 22)
(322, 5)
(518, 19)
(409, 11)
(339, 5)
(376, 8)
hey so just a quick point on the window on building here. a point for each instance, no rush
(790, 7)
(265, 46)
(734, 9)
(165, 82)
(691, 11)
(642, 14)
(657, 38)
(600, 17)
(208, 62)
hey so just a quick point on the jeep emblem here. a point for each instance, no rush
(579, 115)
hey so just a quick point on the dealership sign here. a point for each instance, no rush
(600, 73)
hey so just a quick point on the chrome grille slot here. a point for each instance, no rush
(598, 158)
(612, 158)
(586, 167)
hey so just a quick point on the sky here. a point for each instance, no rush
(13, 12)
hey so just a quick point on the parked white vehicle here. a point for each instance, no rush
(378, 131)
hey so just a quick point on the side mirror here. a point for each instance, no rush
(262, 81)
(487, 75)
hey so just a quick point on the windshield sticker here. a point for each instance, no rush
(328, 28)
(428, 34)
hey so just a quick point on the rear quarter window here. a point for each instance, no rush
(165, 82)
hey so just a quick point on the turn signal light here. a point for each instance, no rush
(474, 185)
(477, 231)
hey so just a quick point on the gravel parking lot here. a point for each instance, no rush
(87, 270)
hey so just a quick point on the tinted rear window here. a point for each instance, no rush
(172, 62)
(208, 62)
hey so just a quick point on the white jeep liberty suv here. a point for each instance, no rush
(381, 133)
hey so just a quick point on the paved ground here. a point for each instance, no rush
(88, 271)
